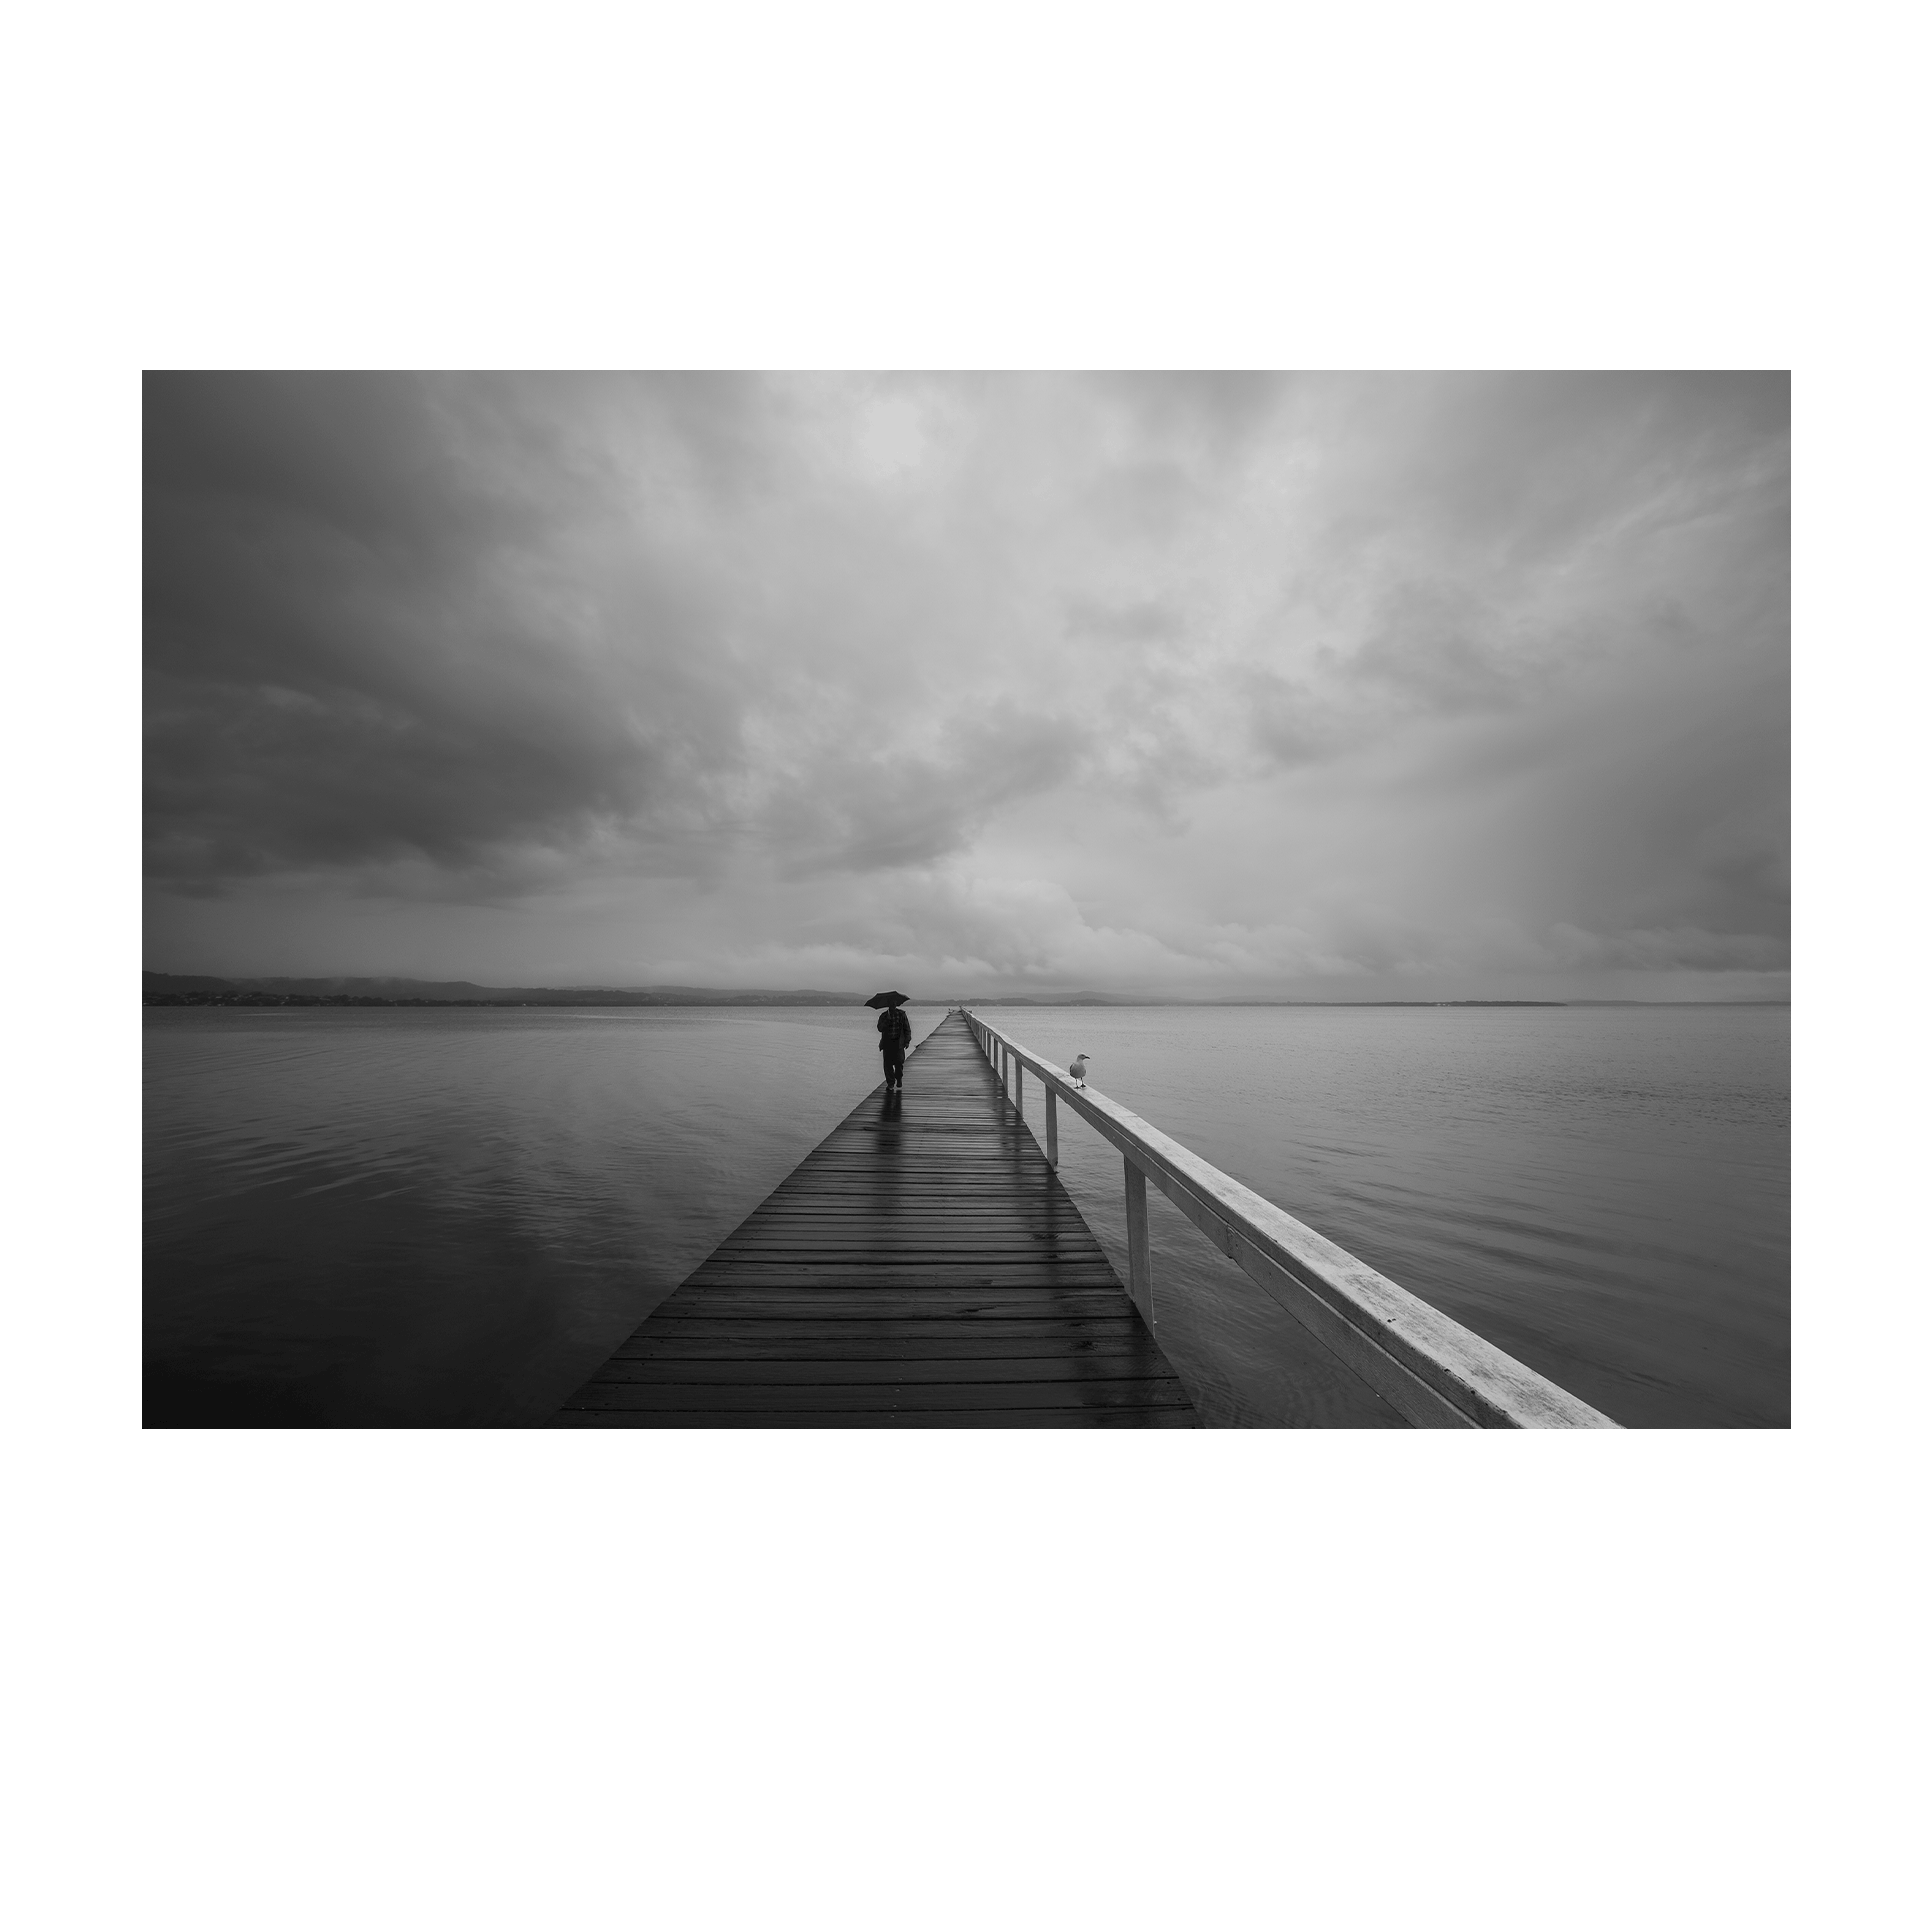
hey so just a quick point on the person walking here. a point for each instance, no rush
(896, 1036)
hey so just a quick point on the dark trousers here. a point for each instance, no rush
(894, 1059)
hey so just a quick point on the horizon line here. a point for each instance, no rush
(1001, 996)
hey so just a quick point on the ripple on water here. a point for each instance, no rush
(449, 1216)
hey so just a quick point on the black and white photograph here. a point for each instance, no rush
(1022, 901)
(967, 899)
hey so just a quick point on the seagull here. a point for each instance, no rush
(1077, 1067)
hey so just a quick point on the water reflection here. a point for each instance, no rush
(393, 1216)
(1601, 1191)
(448, 1217)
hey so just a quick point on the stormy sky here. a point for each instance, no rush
(1303, 686)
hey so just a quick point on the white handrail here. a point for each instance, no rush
(1428, 1368)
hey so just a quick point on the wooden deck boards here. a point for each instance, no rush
(923, 1266)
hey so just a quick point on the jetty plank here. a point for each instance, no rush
(923, 1266)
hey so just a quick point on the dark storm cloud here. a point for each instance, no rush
(356, 647)
(1178, 680)
(888, 811)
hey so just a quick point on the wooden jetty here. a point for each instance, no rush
(924, 1266)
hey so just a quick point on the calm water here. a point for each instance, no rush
(392, 1216)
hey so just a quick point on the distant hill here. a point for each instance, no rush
(383, 986)
(394, 988)
(391, 988)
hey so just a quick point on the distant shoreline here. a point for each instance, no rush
(206, 990)
(564, 1000)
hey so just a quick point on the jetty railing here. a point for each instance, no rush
(1428, 1368)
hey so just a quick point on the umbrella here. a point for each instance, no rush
(889, 999)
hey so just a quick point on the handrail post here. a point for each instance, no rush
(1019, 1089)
(1053, 1130)
(1139, 1262)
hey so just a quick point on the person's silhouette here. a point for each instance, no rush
(896, 1036)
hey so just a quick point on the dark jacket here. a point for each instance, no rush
(896, 1030)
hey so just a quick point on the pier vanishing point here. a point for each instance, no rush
(925, 1266)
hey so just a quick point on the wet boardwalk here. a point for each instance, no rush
(922, 1267)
